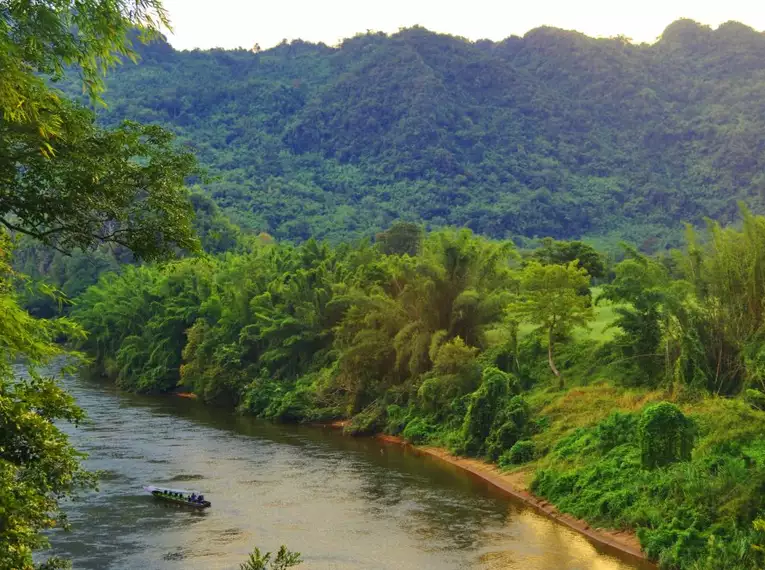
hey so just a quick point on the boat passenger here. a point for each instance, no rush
(193, 497)
(201, 499)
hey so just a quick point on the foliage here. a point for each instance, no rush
(425, 343)
(64, 180)
(73, 272)
(38, 466)
(665, 435)
(68, 183)
(284, 559)
(693, 514)
(123, 186)
(642, 286)
(419, 430)
(401, 238)
(755, 398)
(495, 417)
(617, 429)
(550, 134)
(521, 452)
(550, 300)
(139, 321)
(42, 39)
(555, 252)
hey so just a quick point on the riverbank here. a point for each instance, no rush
(388, 511)
(515, 484)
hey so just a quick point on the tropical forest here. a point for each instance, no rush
(544, 254)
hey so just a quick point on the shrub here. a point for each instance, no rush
(755, 398)
(510, 425)
(419, 430)
(259, 395)
(293, 406)
(366, 422)
(521, 452)
(485, 404)
(397, 418)
(617, 429)
(665, 435)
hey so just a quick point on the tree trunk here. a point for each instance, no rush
(550, 356)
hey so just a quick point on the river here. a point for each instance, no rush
(344, 503)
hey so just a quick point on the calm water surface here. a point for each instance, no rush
(343, 502)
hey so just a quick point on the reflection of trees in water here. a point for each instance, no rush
(426, 502)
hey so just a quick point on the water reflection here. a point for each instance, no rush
(345, 503)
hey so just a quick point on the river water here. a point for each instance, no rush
(344, 503)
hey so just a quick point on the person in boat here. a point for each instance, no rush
(193, 497)
(201, 499)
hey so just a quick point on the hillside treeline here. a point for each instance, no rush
(552, 134)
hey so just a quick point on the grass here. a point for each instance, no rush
(583, 406)
(605, 315)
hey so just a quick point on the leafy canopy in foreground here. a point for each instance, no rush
(40, 39)
(64, 180)
(68, 183)
(38, 467)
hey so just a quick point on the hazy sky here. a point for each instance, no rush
(242, 23)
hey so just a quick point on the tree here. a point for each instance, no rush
(38, 466)
(64, 180)
(401, 238)
(284, 559)
(68, 183)
(549, 299)
(456, 287)
(555, 252)
(39, 40)
(124, 186)
(644, 289)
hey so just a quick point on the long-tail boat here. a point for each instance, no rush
(179, 496)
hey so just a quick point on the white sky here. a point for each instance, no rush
(242, 23)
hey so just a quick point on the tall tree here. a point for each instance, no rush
(550, 300)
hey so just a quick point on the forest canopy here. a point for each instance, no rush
(552, 134)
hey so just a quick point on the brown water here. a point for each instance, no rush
(343, 502)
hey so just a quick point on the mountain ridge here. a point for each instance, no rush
(554, 133)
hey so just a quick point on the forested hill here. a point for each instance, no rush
(551, 134)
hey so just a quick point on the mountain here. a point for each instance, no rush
(552, 134)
